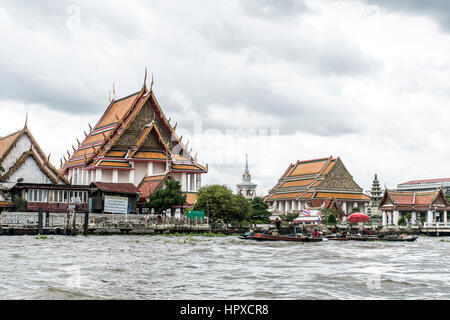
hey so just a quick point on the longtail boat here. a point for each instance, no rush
(269, 237)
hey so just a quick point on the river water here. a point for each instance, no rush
(220, 268)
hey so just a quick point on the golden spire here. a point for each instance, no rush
(175, 126)
(26, 121)
(151, 85)
(145, 80)
(48, 158)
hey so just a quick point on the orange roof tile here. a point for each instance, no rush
(344, 196)
(309, 167)
(285, 196)
(296, 183)
(150, 155)
(6, 142)
(119, 108)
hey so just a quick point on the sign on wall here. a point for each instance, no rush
(116, 204)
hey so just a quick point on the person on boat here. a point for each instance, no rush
(278, 224)
(316, 233)
(366, 232)
(265, 231)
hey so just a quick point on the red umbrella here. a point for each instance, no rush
(358, 217)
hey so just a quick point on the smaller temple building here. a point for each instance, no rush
(247, 188)
(318, 183)
(426, 185)
(416, 208)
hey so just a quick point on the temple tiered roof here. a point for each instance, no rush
(13, 157)
(134, 130)
(412, 200)
(317, 180)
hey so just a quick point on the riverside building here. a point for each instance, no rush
(318, 183)
(134, 142)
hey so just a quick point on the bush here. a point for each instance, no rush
(402, 222)
(20, 204)
(331, 219)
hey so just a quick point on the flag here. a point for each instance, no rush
(306, 212)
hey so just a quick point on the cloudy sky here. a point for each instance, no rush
(281, 80)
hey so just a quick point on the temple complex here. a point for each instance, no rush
(247, 188)
(134, 142)
(318, 183)
(427, 208)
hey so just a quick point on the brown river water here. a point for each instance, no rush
(220, 268)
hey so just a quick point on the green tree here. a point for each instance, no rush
(258, 210)
(288, 217)
(331, 219)
(167, 197)
(216, 200)
(1, 169)
(20, 204)
(355, 209)
(240, 209)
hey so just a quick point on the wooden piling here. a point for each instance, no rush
(86, 223)
(40, 218)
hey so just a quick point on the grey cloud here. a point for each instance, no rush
(438, 10)
(274, 9)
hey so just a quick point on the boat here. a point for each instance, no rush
(269, 237)
(338, 238)
(363, 238)
(246, 235)
(400, 238)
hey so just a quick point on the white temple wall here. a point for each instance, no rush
(124, 176)
(158, 168)
(140, 170)
(107, 176)
(30, 172)
(23, 145)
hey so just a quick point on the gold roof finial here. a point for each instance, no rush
(85, 133)
(151, 85)
(78, 141)
(65, 160)
(68, 153)
(48, 158)
(114, 90)
(61, 162)
(145, 80)
(175, 126)
(26, 121)
(90, 127)
(73, 148)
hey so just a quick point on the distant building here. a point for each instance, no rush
(428, 206)
(426, 185)
(247, 188)
(319, 183)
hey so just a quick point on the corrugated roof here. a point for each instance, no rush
(124, 188)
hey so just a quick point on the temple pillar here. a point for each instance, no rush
(98, 175)
(300, 205)
(150, 168)
(413, 217)
(92, 176)
(294, 205)
(183, 181)
(344, 207)
(445, 217)
(396, 215)
(429, 216)
(283, 206)
(192, 182)
(389, 218)
(384, 222)
(115, 176)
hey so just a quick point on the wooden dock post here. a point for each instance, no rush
(86, 223)
(40, 218)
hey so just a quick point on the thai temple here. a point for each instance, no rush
(246, 187)
(28, 173)
(427, 208)
(134, 142)
(318, 183)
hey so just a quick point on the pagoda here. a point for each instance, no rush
(247, 188)
(317, 183)
(375, 198)
(134, 142)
